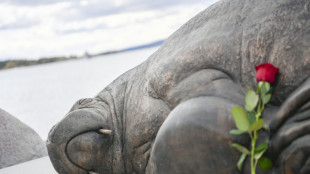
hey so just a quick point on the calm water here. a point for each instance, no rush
(41, 95)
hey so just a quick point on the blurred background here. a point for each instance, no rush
(100, 39)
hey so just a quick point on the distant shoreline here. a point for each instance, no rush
(8, 64)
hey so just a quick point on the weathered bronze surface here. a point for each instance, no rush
(172, 113)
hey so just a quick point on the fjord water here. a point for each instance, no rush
(41, 95)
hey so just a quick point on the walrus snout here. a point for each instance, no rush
(89, 151)
(75, 142)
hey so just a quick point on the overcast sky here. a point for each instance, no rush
(41, 28)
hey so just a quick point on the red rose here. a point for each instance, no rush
(266, 72)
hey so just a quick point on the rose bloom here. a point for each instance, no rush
(266, 72)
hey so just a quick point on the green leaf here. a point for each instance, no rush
(240, 148)
(241, 161)
(266, 98)
(265, 163)
(262, 91)
(260, 150)
(267, 86)
(236, 132)
(258, 155)
(251, 116)
(265, 90)
(260, 84)
(251, 100)
(257, 125)
(241, 120)
(262, 147)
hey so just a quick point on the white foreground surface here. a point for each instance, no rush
(37, 166)
(41, 95)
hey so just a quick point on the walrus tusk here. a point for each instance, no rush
(91, 172)
(105, 131)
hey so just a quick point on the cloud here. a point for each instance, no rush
(31, 2)
(72, 27)
(18, 24)
(22, 17)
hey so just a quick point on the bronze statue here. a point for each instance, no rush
(172, 113)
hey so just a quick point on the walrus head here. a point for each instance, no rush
(82, 142)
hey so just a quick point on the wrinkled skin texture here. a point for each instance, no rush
(172, 113)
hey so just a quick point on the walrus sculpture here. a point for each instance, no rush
(172, 113)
